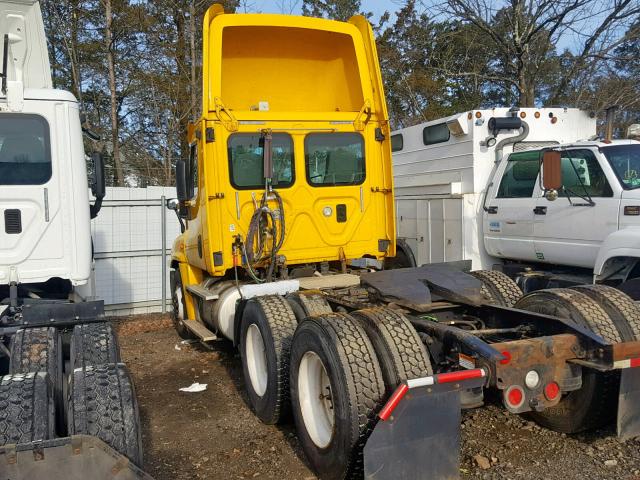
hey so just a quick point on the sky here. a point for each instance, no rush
(377, 7)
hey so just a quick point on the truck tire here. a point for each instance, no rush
(93, 344)
(179, 307)
(308, 303)
(27, 411)
(102, 402)
(404, 257)
(401, 354)
(498, 288)
(40, 350)
(594, 404)
(624, 312)
(267, 327)
(336, 390)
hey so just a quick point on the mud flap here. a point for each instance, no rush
(628, 424)
(418, 433)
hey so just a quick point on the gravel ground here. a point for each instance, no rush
(214, 435)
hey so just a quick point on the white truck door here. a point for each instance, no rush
(31, 232)
(570, 229)
(508, 218)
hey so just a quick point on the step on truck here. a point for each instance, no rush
(67, 403)
(287, 211)
(472, 186)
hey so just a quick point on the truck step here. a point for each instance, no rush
(200, 331)
(202, 292)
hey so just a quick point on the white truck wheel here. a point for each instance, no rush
(336, 390)
(178, 310)
(316, 399)
(267, 327)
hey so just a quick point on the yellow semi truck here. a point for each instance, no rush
(286, 204)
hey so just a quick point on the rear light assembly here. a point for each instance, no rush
(514, 397)
(551, 391)
(506, 358)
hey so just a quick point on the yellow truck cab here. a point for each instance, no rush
(312, 89)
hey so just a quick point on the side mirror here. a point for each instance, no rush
(551, 170)
(172, 204)
(181, 181)
(98, 185)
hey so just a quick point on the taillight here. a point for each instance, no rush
(506, 359)
(514, 396)
(551, 391)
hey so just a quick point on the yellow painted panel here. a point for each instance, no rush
(289, 69)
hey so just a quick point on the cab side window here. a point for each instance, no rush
(582, 175)
(519, 177)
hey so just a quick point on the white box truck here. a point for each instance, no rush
(470, 187)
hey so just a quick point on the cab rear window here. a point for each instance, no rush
(25, 152)
(246, 162)
(334, 159)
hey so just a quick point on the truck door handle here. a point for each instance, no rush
(492, 210)
(540, 210)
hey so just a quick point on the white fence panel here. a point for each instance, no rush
(127, 242)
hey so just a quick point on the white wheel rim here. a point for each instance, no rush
(179, 303)
(256, 359)
(315, 397)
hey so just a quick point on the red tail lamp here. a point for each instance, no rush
(514, 396)
(551, 391)
(506, 359)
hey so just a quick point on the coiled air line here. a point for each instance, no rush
(258, 231)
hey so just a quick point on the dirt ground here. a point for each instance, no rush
(214, 435)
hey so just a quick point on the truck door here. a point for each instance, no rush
(570, 229)
(30, 224)
(508, 218)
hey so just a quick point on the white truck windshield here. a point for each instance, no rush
(625, 161)
(25, 157)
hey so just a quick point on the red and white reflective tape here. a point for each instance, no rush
(403, 388)
(628, 363)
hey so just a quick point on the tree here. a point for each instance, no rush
(333, 9)
(421, 60)
(524, 33)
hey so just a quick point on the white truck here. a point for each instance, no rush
(60, 370)
(470, 187)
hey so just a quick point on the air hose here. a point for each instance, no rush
(258, 233)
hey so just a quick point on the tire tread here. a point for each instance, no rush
(102, 403)
(27, 411)
(498, 287)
